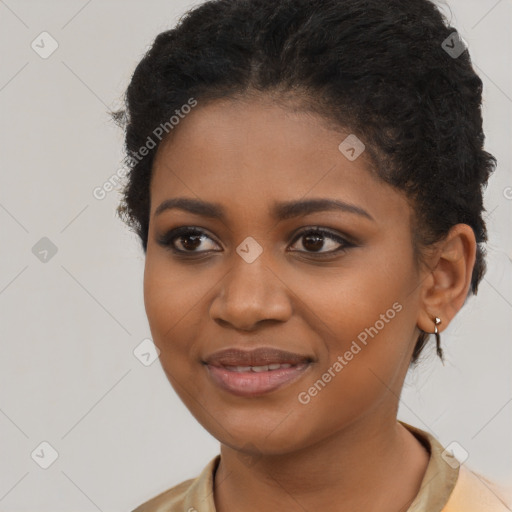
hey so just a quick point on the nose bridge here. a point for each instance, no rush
(250, 293)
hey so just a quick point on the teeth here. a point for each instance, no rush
(257, 369)
(241, 368)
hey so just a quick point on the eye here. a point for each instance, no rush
(314, 240)
(189, 238)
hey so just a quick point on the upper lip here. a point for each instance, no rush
(256, 357)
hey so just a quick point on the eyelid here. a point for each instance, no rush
(321, 229)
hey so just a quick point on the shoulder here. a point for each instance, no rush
(474, 493)
(192, 495)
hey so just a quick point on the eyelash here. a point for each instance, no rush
(167, 241)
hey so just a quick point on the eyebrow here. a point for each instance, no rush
(280, 211)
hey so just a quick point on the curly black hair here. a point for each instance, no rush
(382, 70)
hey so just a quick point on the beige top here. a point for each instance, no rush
(446, 487)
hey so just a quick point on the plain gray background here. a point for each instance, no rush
(69, 325)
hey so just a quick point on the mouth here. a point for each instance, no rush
(255, 372)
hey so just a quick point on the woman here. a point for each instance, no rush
(306, 180)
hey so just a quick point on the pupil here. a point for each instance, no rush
(197, 239)
(317, 242)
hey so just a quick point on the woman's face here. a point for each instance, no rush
(337, 287)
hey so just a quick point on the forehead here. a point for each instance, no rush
(248, 154)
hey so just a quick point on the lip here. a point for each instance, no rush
(226, 369)
(260, 356)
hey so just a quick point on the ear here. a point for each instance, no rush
(446, 284)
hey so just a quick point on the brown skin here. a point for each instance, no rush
(344, 450)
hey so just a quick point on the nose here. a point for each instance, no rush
(249, 295)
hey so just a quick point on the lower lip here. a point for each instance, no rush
(255, 383)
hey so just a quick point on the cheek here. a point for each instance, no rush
(172, 297)
(169, 308)
(171, 300)
(363, 294)
(365, 315)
